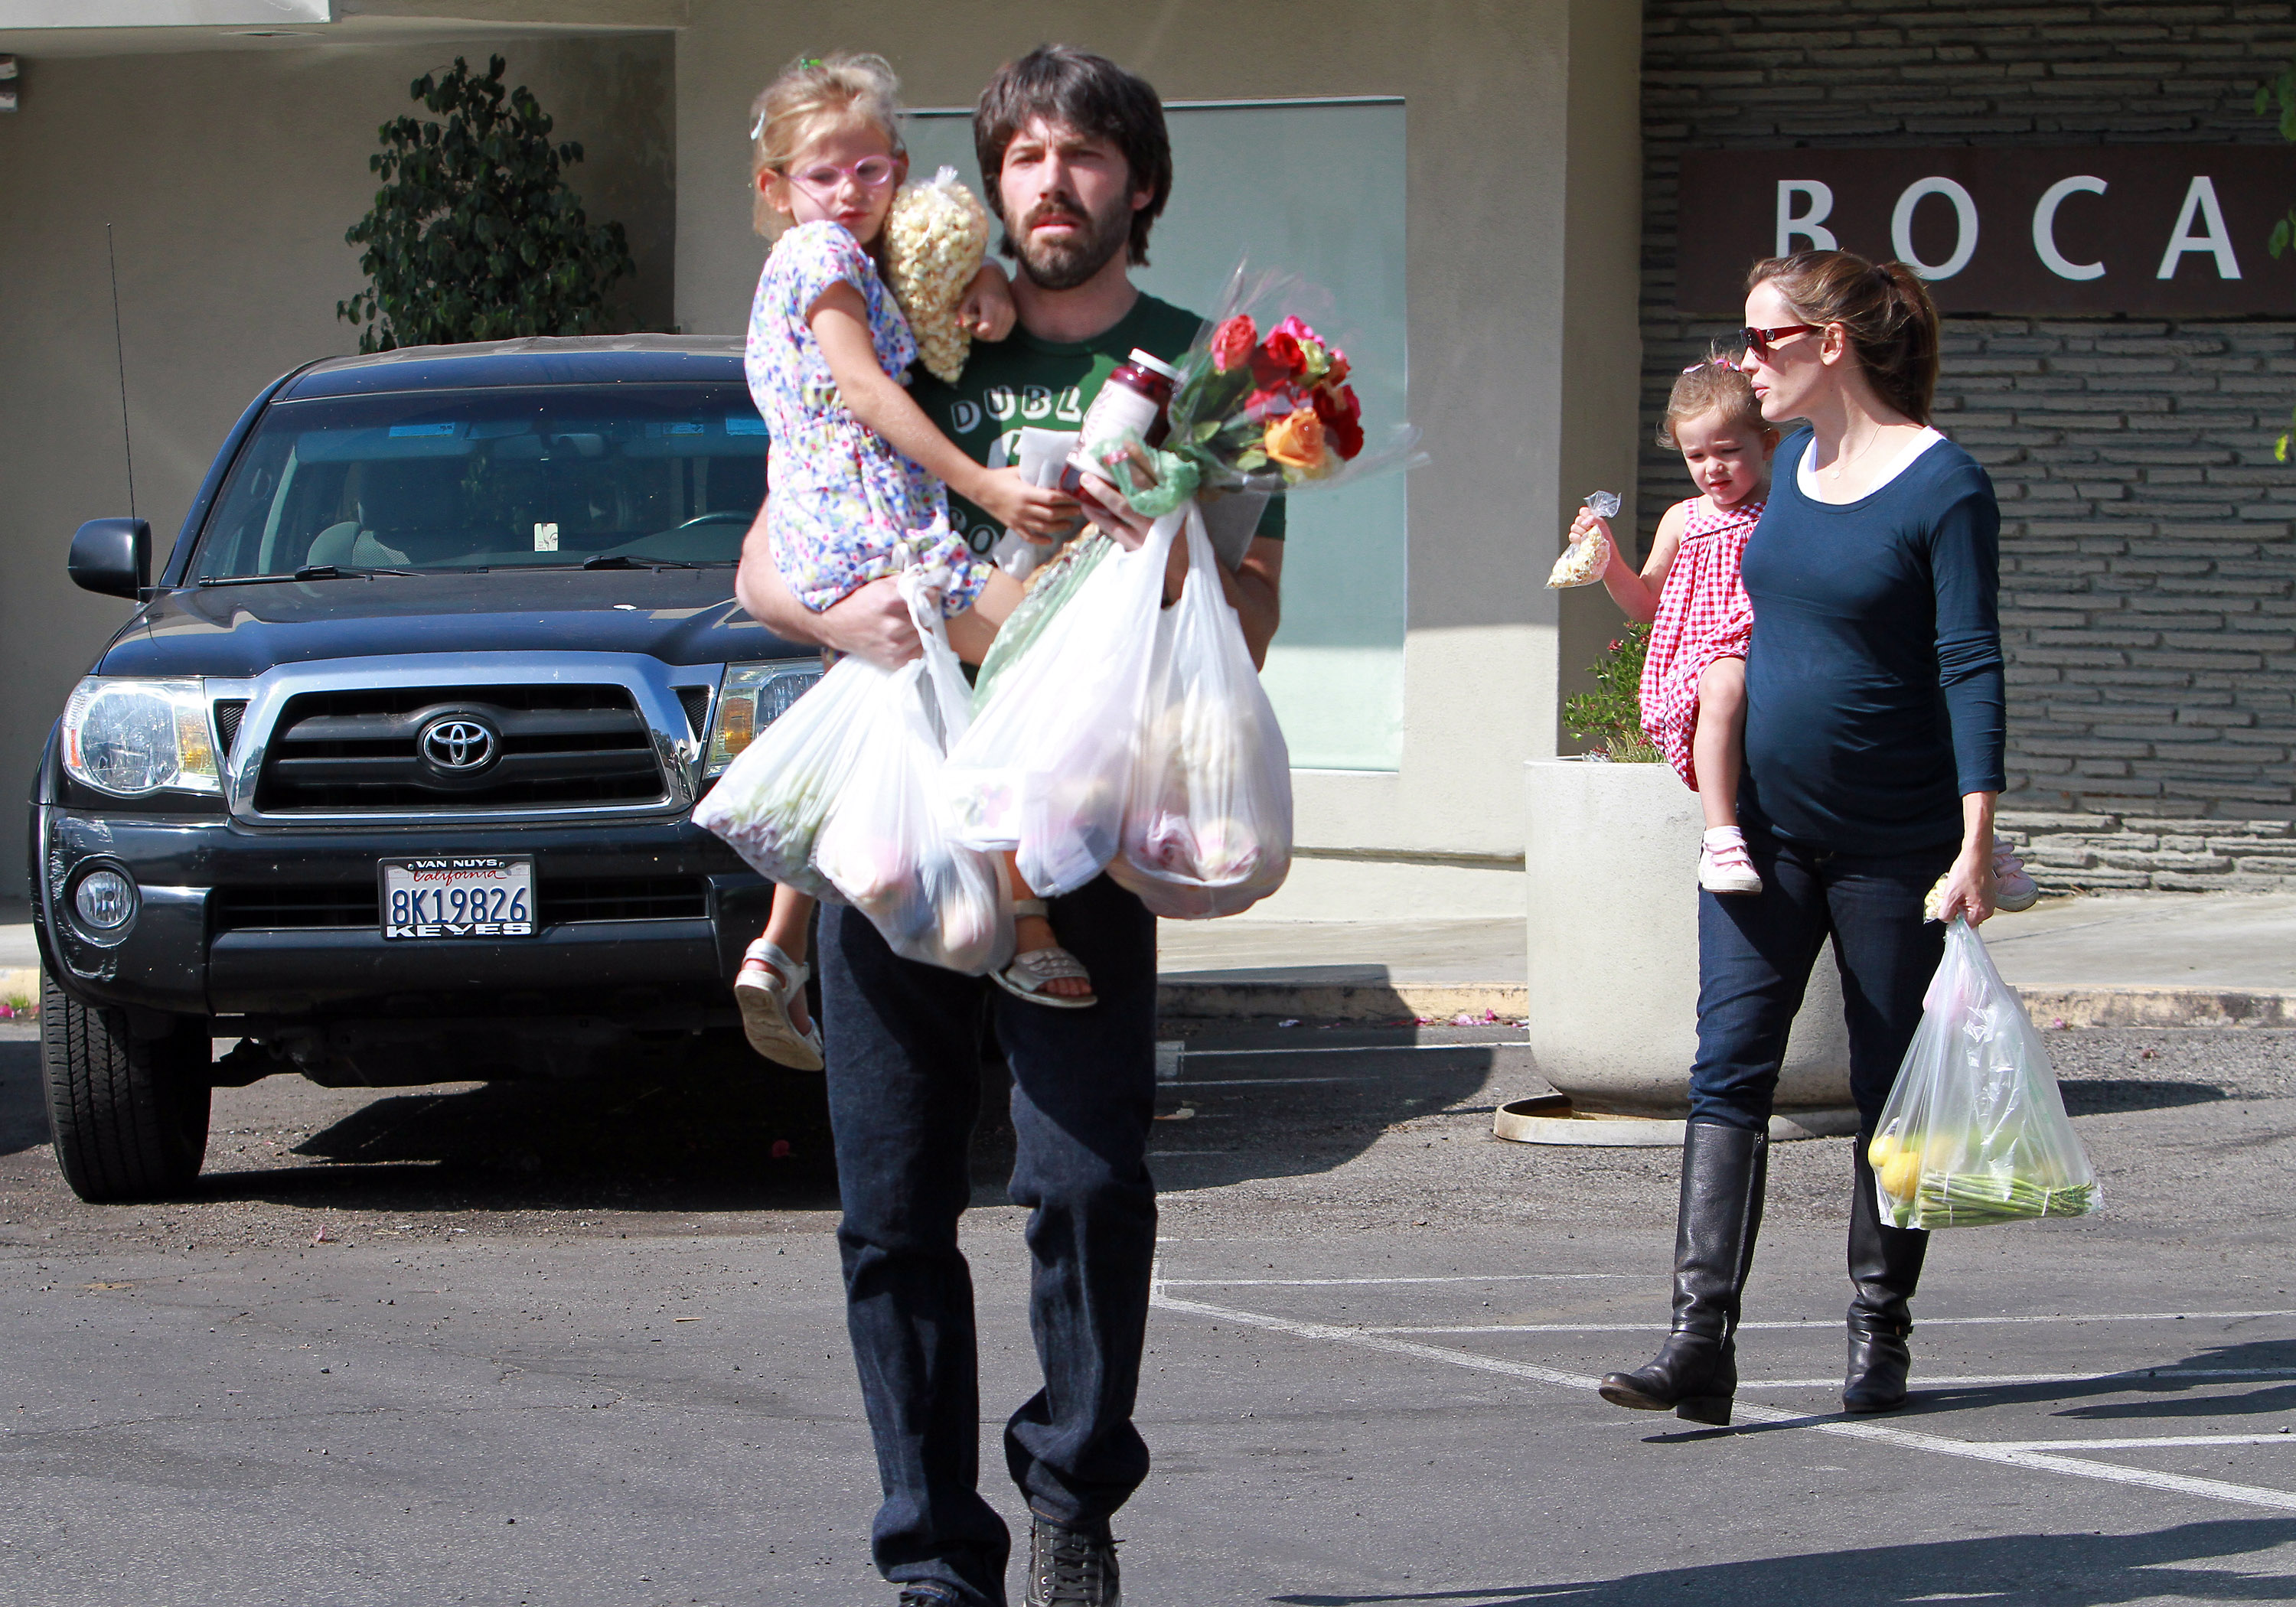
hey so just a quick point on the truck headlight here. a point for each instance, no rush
(129, 737)
(754, 696)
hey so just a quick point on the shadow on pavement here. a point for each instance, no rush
(702, 1132)
(23, 1109)
(2169, 1396)
(2092, 1096)
(719, 1131)
(2076, 1571)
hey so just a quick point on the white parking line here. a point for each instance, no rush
(1932, 1321)
(2045, 1461)
(1364, 1049)
(1502, 1277)
(2142, 1445)
(2130, 1374)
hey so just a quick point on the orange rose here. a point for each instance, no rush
(1296, 440)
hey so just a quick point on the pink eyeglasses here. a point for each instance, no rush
(822, 178)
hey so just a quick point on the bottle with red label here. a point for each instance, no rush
(1132, 398)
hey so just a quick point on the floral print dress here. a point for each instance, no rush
(846, 508)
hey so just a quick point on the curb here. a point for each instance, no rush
(1382, 1002)
(2048, 1004)
(2051, 1005)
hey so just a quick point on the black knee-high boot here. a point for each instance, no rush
(1695, 1373)
(1885, 1264)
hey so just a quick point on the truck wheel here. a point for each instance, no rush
(130, 1116)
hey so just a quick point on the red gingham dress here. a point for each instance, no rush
(1703, 614)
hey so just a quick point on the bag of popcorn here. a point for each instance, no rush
(936, 239)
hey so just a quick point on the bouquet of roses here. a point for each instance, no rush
(1262, 403)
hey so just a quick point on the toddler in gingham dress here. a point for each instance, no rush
(1693, 685)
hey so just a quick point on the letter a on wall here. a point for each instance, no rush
(2214, 238)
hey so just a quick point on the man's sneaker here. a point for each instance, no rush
(1069, 1568)
(2012, 889)
(1724, 865)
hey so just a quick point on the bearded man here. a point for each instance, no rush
(1079, 166)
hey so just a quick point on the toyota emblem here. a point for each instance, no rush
(458, 744)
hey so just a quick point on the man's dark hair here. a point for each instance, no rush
(1088, 93)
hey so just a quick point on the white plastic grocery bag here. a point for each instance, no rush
(889, 847)
(1208, 819)
(1975, 1130)
(1046, 766)
(773, 798)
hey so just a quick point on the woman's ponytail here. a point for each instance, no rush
(1884, 309)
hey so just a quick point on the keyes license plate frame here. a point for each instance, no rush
(455, 897)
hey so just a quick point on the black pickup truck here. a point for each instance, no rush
(391, 775)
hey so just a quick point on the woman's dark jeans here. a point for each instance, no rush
(904, 1048)
(1755, 951)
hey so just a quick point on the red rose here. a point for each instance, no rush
(1343, 417)
(1271, 403)
(1279, 358)
(1232, 344)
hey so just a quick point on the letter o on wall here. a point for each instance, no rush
(1901, 227)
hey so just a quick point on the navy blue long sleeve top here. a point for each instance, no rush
(1874, 680)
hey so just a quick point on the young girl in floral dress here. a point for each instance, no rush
(860, 475)
(1694, 686)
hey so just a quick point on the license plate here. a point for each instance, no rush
(474, 896)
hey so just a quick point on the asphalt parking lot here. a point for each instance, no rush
(582, 1343)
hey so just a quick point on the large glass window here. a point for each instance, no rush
(470, 480)
(1317, 188)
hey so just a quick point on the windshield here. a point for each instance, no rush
(465, 479)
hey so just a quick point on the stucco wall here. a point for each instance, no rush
(1497, 96)
(230, 177)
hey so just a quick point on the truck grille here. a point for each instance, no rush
(563, 901)
(338, 751)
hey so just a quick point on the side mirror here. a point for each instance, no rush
(113, 556)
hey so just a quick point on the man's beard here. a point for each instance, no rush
(1063, 265)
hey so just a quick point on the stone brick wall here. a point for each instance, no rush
(2148, 557)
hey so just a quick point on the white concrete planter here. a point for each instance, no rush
(1612, 863)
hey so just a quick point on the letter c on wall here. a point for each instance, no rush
(1901, 227)
(2044, 227)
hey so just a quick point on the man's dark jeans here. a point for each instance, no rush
(904, 1047)
(1755, 951)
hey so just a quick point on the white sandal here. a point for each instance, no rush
(1028, 973)
(765, 998)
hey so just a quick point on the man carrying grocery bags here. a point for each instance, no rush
(1076, 162)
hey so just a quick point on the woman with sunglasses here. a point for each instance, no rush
(1874, 756)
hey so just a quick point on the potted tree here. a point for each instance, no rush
(1613, 939)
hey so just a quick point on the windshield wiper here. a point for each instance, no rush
(623, 560)
(310, 571)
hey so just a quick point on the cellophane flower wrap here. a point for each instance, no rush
(936, 239)
(1974, 1130)
(1264, 402)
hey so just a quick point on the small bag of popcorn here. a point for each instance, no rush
(1583, 561)
(936, 239)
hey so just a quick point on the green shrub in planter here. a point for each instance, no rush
(474, 236)
(1611, 715)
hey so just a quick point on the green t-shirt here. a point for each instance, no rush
(1023, 380)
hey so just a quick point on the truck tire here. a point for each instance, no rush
(130, 1116)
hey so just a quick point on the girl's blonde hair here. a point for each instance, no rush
(812, 91)
(1713, 386)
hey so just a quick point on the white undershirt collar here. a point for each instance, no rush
(1806, 477)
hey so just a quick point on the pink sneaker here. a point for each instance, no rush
(2012, 890)
(1724, 865)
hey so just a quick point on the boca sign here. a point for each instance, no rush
(2174, 230)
